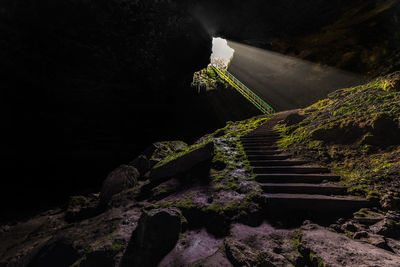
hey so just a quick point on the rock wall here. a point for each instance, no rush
(88, 84)
(358, 36)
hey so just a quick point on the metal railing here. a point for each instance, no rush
(242, 89)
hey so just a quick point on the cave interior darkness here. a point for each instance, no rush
(88, 85)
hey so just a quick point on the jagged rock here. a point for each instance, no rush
(336, 227)
(361, 234)
(182, 163)
(80, 207)
(389, 202)
(368, 216)
(142, 164)
(378, 241)
(386, 227)
(393, 215)
(240, 254)
(349, 226)
(121, 178)
(157, 233)
(394, 245)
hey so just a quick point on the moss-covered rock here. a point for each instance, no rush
(183, 161)
(122, 178)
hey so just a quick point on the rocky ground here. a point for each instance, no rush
(199, 205)
(87, 74)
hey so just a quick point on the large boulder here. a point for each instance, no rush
(182, 163)
(59, 251)
(123, 177)
(157, 233)
(142, 164)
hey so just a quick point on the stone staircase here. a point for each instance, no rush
(291, 184)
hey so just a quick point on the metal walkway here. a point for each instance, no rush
(243, 90)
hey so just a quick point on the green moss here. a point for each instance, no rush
(295, 238)
(174, 155)
(207, 79)
(76, 201)
(78, 262)
(340, 133)
(116, 247)
(316, 261)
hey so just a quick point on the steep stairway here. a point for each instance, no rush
(291, 184)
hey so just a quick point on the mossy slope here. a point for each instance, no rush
(355, 132)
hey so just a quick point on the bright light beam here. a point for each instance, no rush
(286, 82)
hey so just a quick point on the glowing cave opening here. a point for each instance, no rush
(222, 53)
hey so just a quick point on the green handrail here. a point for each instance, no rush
(244, 90)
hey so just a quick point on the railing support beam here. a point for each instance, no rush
(243, 90)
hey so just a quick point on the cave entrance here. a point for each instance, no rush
(222, 53)
(207, 79)
(217, 91)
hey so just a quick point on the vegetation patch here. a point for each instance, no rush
(233, 194)
(207, 79)
(355, 132)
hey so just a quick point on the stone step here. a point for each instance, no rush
(269, 157)
(261, 140)
(262, 152)
(295, 178)
(260, 148)
(258, 140)
(290, 169)
(265, 144)
(284, 162)
(317, 203)
(262, 133)
(300, 188)
(256, 137)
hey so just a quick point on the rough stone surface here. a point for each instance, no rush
(122, 178)
(339, 250)
(263, 245)
(157, 233)
(80, 207)
(194, 246)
